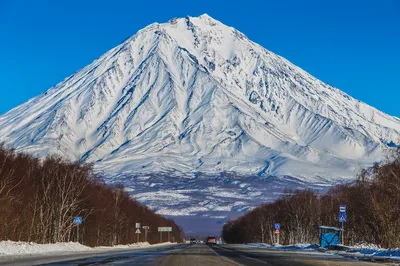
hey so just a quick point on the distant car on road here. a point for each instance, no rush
(193, 241)
(211, 240)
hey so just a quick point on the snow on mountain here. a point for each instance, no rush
(195, 96)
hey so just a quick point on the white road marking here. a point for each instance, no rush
(225, 258)
(263, 262)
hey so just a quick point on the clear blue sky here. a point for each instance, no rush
(353, 45)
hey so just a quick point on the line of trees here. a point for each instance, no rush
(38, 200)
(373, 212)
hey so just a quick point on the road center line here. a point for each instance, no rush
(263, 262)
(225, 258)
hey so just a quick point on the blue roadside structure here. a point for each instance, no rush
(329, 235)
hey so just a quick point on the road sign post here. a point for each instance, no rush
(77, 222)
(277, 232)
(164, 229)
(145, 227)
(342, 219)
(137, 234)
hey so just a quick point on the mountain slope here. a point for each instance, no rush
(193, 95)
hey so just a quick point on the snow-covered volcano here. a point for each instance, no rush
(195, 95)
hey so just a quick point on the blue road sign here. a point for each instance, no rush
(77, 220)
(342, 218)
(277, 226)
(342, 209)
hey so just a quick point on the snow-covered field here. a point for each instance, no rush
(12, 248)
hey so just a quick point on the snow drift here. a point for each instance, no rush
(14, 248)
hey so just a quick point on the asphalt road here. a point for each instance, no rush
(195, 254)
(245, 255)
